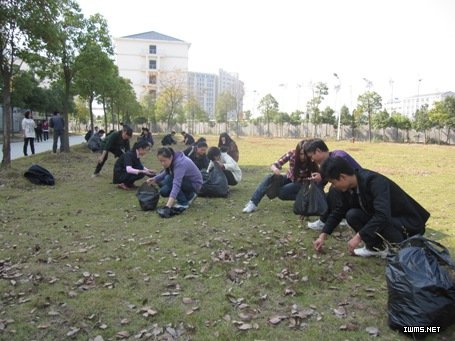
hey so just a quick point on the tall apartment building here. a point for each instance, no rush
(409, 105)
(206, 88)
(148, 58)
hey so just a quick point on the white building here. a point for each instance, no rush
(204, 87)
(147, 58)
(409, 105)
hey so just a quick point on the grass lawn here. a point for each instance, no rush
(81, 261)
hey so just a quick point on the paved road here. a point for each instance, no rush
(40, 147)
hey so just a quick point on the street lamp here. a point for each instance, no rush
(418, 94)
(337, 89)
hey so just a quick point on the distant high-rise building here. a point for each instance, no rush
(409, 105)
(204, 88)
(148, 58)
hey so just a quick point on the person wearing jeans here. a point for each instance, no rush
(180, 180)
(300, 168)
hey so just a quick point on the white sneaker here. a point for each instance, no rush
(317, 225)
(364, 252)
(250, 207)
(181, 206)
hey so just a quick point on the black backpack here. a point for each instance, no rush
(39, 175)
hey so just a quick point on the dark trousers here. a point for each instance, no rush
(395, 232)
(99, 166)
(230, 178)
(126, 178)
(58, 134)
(32, 145)
(46, 135)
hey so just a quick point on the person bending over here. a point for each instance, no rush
(375, 207)
(198, 154)
(230, 168)
(128, 167)
(180, 180)
(300, 169)
(318, 151)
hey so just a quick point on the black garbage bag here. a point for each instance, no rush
(310, 200)
(148, 196)
(216, 184)
(421, 289)
(39, 175)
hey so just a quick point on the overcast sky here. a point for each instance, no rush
(298, 42)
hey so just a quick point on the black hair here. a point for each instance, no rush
(307, 165)
(224, 149)
(202, 144)
(101, 132)
(213, 152)
(27, 114)
(141, 144)
(316, 144)
(227, 137)
(201, 139)
(167, 152)
(128, 130)
(333, 167)
(183, 133)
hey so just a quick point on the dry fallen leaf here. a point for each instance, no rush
(340, 312)
(123, 335)
(373, 331)
(277, 319)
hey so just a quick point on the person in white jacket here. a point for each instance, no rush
(230, 168)
(28, 127)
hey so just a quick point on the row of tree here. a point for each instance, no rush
(71, 54)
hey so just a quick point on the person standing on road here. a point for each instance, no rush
(58, 125)
(45, 127)
(28, 127)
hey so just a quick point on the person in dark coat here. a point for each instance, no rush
(117, 143)
(169, 139)
(375, 207)
(188, 139)
(228, 145)
(128, 168)
(198, 154)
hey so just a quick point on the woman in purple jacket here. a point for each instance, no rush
(180, 180)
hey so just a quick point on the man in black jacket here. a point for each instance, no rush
(374, 206)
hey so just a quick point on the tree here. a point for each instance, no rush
(296, 118)
(225, 103)
(422, 121)
(26, 29)
(399, 121)
(195, 112)
(93, 64)
(171, 98)
(26, 92)
(369, 102)
(319, 91)
(268, 106)
(328, 118)
(381, 120)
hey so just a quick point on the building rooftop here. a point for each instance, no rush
(152, 35)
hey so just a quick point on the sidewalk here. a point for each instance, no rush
(40, 147)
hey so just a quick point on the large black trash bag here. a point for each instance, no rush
(39, 175)
(310, 200)
(216, 184)
(148, 196)
(421, 290)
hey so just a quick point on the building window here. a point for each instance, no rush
(152, 79)
(152, 64)
(152, 49)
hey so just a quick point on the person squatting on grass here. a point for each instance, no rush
(117, 143)
(198, 154)
(227, 144)
(230, 168)
(375, 207)
(128, 167)
(318, 151)
(300, 169)
(180, 179)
